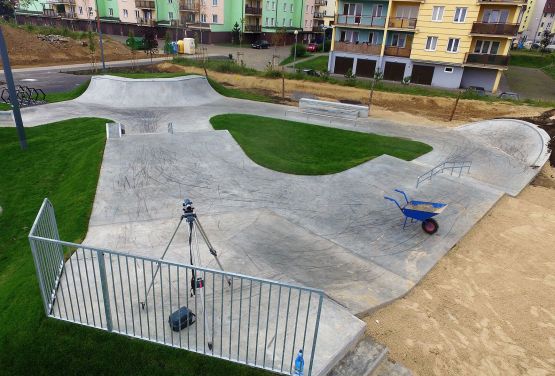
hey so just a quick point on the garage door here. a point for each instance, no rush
(366, 68)
(394, 71)
(343, 64)
(422, 74)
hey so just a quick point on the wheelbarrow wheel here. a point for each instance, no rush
(430, 226)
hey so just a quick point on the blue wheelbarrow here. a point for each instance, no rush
(422, 211)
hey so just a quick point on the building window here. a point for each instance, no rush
(125, 13)
(273, 22)
(377, 10)
(137, 15)
(437, 14)
(460, 15)
(371, 38)
(495, 16)
(283, 23)
(80, 10)
(285, 7)
(291, 8)
(398, 40)
(348, 36)
(90, 11)
(448, 70)
(267, 5)
(431, 43)
(290, 22)
(453, 45)
(170, 15)
(203, 18)
(170, 1)
(111, 11)
(273, 5)
(214, 18)
(266, 21)
(215, 3)
(486, 47)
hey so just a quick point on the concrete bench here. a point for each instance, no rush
(335, 109)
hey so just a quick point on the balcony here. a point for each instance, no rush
(397, 51)
(49, 13)
(360, 21)
(145, 4)
(186, 6)
(487, 59)
(65, 2)
(321, 2)
(504, 29)
(146, 21)
(318, 15)
(402, 23)
(68, 15)
(253, 28)
(253, 11)
(358, 48)
(506, 2)
(318, 28)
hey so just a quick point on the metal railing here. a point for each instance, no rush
(507, 29)
(402, 23)
(358, 48)
(253, 10)
(440, 168)
(397, 51)
(145, 4)
(248, 320)
(487, 59)
(375, 21)
(253, 28)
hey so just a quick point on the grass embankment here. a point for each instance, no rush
(319, 63)
(57, 97)
(229, 66)
(534, 59)
(63, 164)
(305, 149)
(289, 59)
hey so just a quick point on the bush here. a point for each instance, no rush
(300, 49)
(326, 46)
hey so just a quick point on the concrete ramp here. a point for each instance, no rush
(119, 92)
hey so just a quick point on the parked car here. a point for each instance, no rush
(260, 44)
(530, 45)
(509, 95)
(311, 72)
(313, 47)
(478, 90)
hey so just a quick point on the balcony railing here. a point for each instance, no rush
(397, 51)
(318, 15)
(146, 22)
(373, 21)
(358, 48)
(253, 28)
(253, 10)
(487, 59)
(49, 13)
(494, 28)
(68, 2)
(70, 15)
(145, 4)
(321, 2)
(516, 2)
(318, 29)
(402, 23)
(186, 6)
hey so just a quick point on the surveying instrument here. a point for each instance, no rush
(183, 317)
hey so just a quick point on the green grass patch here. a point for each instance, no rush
(238, 93)
(223, 66)
(63, 164)
(319, 63)
(531, 59)
(289, 59)
(305, 149)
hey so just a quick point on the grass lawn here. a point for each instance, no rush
(305, 149)
(289, 59)
(63, 163)
(319, 64)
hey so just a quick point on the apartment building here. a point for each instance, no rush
(214, 19)
(444, 43)
(547, 21)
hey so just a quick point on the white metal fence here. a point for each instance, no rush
(248, 320)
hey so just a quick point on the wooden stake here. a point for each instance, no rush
(455, 107)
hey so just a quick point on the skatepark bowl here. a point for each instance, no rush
(315, 253)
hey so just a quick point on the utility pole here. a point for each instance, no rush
(100, 36)
(12, 91)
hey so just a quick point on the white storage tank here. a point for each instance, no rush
(189, 46)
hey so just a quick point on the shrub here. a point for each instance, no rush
(326, 46)
(300, 49)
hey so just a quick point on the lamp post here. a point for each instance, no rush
(296, 32)
(100, 37)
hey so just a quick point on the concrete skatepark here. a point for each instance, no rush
(332, 232)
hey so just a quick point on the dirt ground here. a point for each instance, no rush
(488, 307)
(26, 50)
(403, 108)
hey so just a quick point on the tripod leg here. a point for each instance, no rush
(212, 250)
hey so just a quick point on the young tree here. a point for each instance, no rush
(168, 43)
(92, 50)
(150, 43)
(132, 43)
(545, 40)
(235, 33)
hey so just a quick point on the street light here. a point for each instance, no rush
(296, 32)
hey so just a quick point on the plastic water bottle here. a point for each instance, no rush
(299, 364)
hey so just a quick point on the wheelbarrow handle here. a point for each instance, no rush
(393, 200)
(403, 193)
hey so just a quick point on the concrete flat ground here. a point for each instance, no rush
(334, 232)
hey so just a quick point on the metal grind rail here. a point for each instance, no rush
(248, 320)
(452, 166)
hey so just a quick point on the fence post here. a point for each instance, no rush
(105, 294)
(314, 339)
